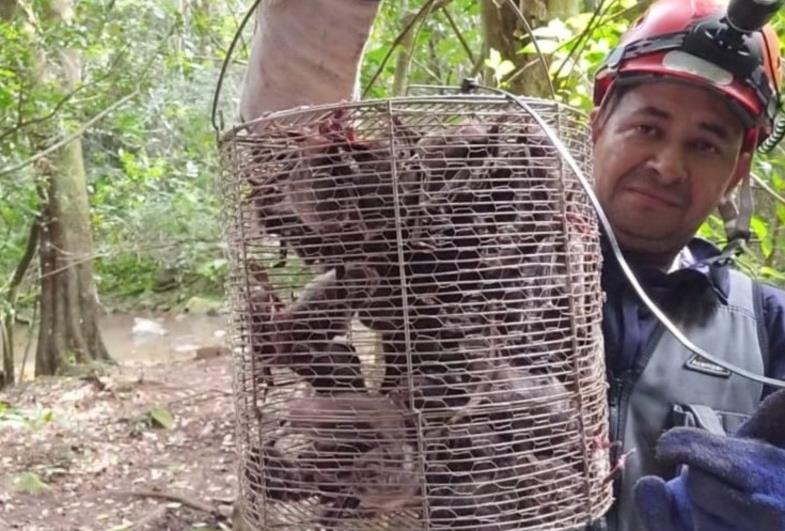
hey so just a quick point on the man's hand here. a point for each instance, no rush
(731, 483)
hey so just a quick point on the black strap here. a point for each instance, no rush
(763, 333)
(697, 416)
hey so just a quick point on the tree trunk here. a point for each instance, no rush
(503, 31)
(9, 321)
(563, 9)
(68, 332)
(7, 8)
(401, 76)
(6, 353)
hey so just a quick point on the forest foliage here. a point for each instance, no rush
(149, 70)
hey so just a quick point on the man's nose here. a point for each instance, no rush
(669, 163)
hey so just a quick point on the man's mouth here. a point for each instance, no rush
(656, 196)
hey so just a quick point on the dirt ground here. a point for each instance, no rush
(104, 462)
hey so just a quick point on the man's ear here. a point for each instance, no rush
(743, 166)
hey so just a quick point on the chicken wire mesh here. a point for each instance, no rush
(416, 312)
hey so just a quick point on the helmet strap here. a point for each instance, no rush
(736, 221)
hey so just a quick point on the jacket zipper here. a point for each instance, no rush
(619, 398)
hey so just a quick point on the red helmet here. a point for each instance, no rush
(691, 40)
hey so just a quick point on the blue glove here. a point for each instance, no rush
(663, 506)
(730, 483)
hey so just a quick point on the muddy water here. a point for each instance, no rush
(169, 338)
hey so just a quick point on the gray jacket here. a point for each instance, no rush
(667, 385)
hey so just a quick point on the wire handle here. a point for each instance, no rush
(225, 65)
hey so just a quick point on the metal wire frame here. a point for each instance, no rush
(416, 318)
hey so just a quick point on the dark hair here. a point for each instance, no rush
(611, 101)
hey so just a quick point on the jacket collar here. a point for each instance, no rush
(693, 269)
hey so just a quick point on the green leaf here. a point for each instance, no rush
(549, 37)
(213, 269)
(766, 247)
(771, 273)
(494, 59)
(47, 416)
(546, 46)
(29, 483)
(501, 67)
(161, 417)
(759, 227)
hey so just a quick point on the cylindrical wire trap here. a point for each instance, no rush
(416, 309)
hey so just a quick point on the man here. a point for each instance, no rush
(674, 134)
(675, 129)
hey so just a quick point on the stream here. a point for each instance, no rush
(142, 339)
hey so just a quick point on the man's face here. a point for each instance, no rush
(663, 159)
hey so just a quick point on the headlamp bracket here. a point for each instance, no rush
(716, 41)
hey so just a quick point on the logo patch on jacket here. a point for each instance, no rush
(699, 364)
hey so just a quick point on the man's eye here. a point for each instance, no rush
(705, 146)
(645, 129)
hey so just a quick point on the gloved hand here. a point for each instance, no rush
(730, 483)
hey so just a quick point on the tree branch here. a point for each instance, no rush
(573, 40)
(768, 189)
(597, 15)
(768, 260)
(427, 7)
(184, 500)
(22, 124)
(76, 134)
(631, 12)
(457, 31)
(24, 262)
(425, 68)
(129, 249)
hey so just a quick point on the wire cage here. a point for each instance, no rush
(415, 308)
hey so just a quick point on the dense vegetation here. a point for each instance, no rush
(141, 100)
